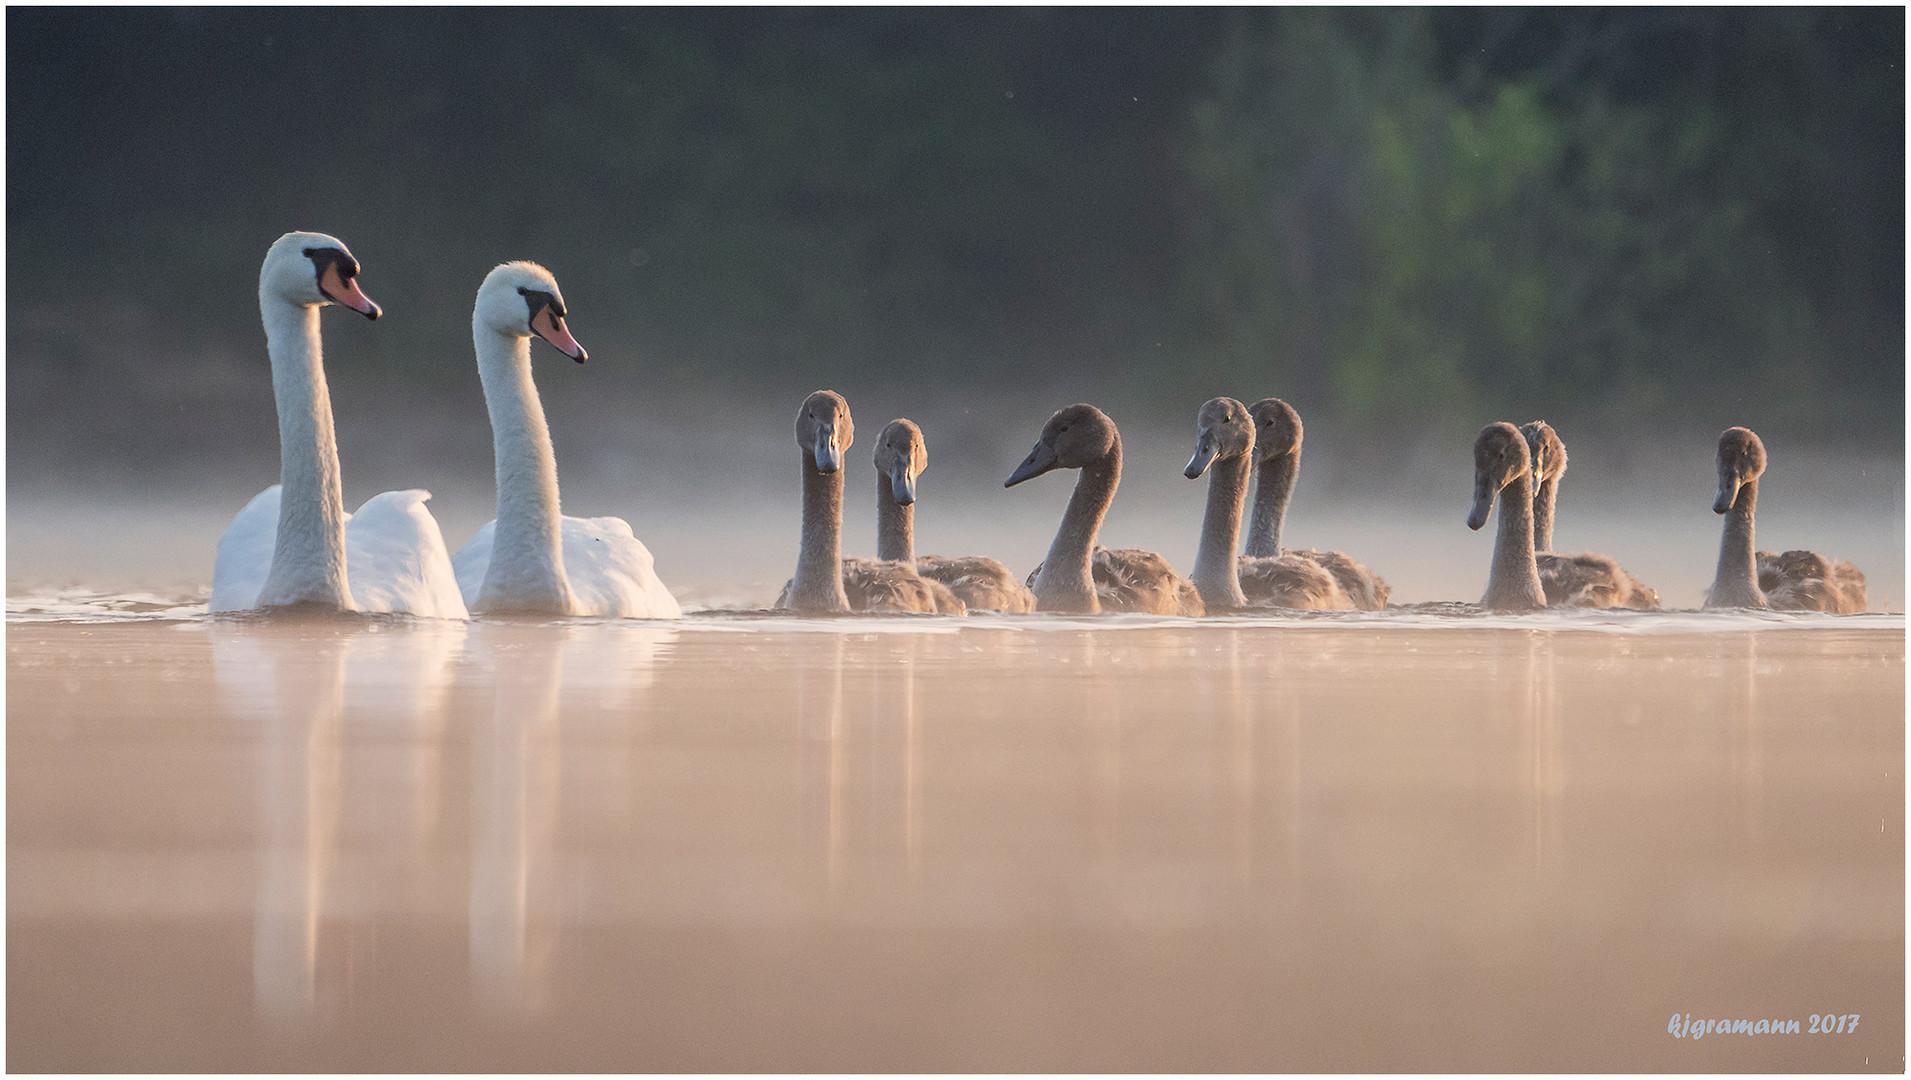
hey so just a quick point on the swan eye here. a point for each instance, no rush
(1063, 430)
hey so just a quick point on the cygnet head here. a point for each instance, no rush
(1223, 429)
(1277, 429)
(1500, 456)
(521, 299)
(824, 430)
(901, 455)
(1741, 460)
(1073, 438)
(1548, 453)
(309, 269)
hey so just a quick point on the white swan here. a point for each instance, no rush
(531, 558)
(294, 543)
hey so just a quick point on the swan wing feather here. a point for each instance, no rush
(1291, 580)
(893, 585)
(1133, 579)
(1365, 589)
(245, 554)
(979, 582)
(395, 558)
(1807, 581)
(1591, 580)
(612, 572)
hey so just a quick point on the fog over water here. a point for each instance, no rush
(709, 483)
(146, 449)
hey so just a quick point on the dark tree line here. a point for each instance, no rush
(1406, 216)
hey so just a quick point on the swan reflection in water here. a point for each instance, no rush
(857, 713)
(354, 717)
(551, 684)
(350, 713)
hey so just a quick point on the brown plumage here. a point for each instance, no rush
(1293, 580)
(825, 581)
(891, 585)
(1079, 576)
(1807, 581)
(1278, 435)
(1364, 589)
(979, 583)
(984, 584)
(1549, 465)
(1585, 580)
(1130, 579)
(1225, 443)
(1591, 580)
(1791, 581)
(1521, 579)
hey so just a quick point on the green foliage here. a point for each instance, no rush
(1395, 250)
(1389, 214)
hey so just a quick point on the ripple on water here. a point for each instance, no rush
(78, 603)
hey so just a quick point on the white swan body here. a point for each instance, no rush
(294, 543)
(609, 570)
(531, 558)
(396, 556)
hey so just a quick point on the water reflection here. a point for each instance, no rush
(912, 763)
(514, 773)
(817, 716)
(1545, 773)
(298, 810)
(1240, 755)
(352, 722)
(312, 688)
(556, 690)
(1738, 699)
(1070, 846)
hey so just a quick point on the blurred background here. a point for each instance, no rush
(1643, 225)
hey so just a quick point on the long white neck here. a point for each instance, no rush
(308, 556)
(527, 558)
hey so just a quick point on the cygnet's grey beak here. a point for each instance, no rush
(829, 457)
(1205, 448)
(902, 484)
(1728, 494)
(1039, 460)
(1482, 503)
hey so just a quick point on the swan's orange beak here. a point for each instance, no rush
(344, 290)
(550, 326)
